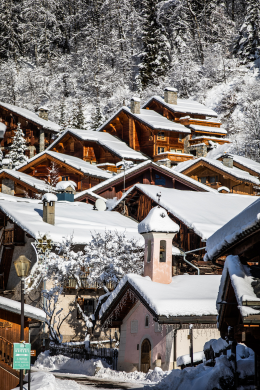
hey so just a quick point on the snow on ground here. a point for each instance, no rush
(62, 363)
(47, 381)
(153, 376)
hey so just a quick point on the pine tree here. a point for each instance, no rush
(248, 43)
(78, 119)
(96, 118)
(155, 55)
(1, 157)
(62, 120)
(18, 148)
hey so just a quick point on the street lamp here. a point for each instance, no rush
(22, 267)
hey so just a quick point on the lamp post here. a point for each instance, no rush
(22, 267)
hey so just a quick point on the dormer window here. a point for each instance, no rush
(162, 251)
(160, 135)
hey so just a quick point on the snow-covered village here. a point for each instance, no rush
(130, 195)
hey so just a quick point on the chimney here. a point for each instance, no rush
(170, 95)
(49, 208)
(228, 161)
(135, 105)
(44, 113)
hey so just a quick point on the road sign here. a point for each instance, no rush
(22, 356)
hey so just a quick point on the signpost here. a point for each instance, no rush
(22, 356)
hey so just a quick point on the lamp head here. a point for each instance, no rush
(22, 266)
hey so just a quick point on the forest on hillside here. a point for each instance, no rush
(85, 58)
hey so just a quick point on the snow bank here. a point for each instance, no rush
(50, 197)
(158, 221)
(153, 376)
(47, 381)
(217, 345)
(45, 362)
(185, 359)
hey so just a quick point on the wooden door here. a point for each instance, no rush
(145, 355)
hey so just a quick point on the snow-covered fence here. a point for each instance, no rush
(78, 351)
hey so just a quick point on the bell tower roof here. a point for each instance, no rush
(157, 221)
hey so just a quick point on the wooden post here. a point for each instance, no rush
(191, 345)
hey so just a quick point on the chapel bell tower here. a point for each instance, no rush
(158, 231)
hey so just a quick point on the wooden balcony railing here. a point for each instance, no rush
(85, 284)
(8, 236)
(6, 351)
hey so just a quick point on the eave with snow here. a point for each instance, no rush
(199, 214)
(243, 163)
(39, 132)
(215, 174)
(84, 174)
(148, 132)
(95, 147)
(147, 172)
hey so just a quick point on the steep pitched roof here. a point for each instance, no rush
(244, 162)
(129, 172)
(106, 140)
(203, 212)
(31, 116)
(186, 106)
(39, 185)
(74, 162)
(151, 119)
(234, 172)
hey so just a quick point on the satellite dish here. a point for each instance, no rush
(100, 205)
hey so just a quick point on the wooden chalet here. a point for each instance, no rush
(10, 328)
(243, 163)
(205, 129)
(95, 147)
(147, 131)
(84, 174)
(237, 246)
(145, 173)
(221, 175)
(38, 130)
(20, 184)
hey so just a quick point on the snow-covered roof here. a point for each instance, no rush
(15, 307)
(136, 168)
(208, 129)
(217, 152)
(63, 185)
(245, 162)
(234, 229)
(158, 221)
(2, 129)
(186, 106)
(40, 185)
(49, 197)
(74, 162)
(150, 118)
(241, 281)
(75, 218)
(108, 141)
(186, 295)
(202, 212)
(32, 117)
(235, 172)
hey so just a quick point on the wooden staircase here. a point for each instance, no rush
(8, 376)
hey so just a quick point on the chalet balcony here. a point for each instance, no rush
(85, 284)
(205, 139)
(173, 156)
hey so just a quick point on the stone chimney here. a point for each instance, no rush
(170, 95)
(135, 105)
(158, 231)
(228, 161)
(49, 208)
(44, 113)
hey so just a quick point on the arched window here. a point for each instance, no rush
(162, 251)
(149, 251)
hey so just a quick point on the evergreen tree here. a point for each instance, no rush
(248, 43)
(18, 148)
(62, 120)
(97, 118)
(78, 119)
(1, 157)
(155, 54)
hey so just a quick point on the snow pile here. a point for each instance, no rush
(63, 185)
(153, 376)
(185, 359)
(47, 381)
(50, 197)
(158, 221)
(217, 345)
(62, 363)
(241, 280)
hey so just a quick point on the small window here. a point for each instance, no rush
(160, 135)
(161, 150)
(180, 136)
(146, 322)
(149, 251)
(172, 150)
(162, 251)
(213, 179)
(134, 326)
(159, 180)
(65, 178)
(179, 151)
(203, 179)
(88, 306)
